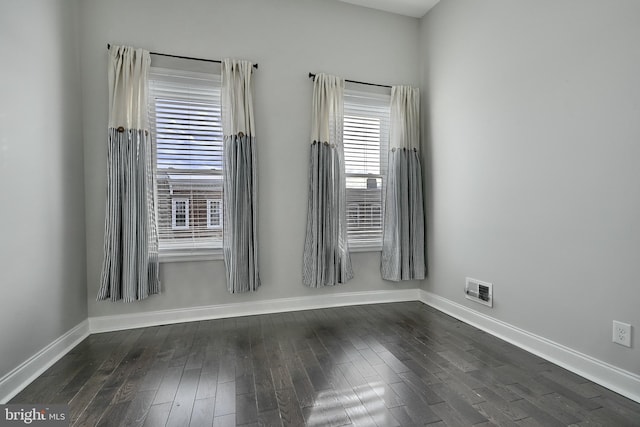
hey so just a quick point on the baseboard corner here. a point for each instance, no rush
(15, 381)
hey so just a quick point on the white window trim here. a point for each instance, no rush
(356, 245)
(187, 249)
(190, 254)
(174, 202)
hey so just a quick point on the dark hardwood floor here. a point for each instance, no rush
(400, 364)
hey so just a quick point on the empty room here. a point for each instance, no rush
(320, 212)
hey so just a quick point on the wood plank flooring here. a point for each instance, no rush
(401, 364)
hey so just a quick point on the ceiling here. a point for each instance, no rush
(415, 8)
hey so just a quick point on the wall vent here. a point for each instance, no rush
(479, 291)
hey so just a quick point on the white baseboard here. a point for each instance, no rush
(280, 305)
(16, 380)
(623, 382)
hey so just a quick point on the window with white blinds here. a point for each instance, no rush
(366, 145)
(185, 119)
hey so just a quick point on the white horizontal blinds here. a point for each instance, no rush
(366, 142)
(185, 118)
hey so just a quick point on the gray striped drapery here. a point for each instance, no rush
(326, 259)
(130, 264)
(403, 250)
(403, 255)
(240, 214)
(240, 205)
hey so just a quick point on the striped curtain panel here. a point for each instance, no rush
(403, 250)
(130, 265)
(326, 251)
(240, 205)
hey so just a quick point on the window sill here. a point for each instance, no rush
(365, 248)
(186, 256)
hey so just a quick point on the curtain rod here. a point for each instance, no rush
(313, 76)
(217, 61)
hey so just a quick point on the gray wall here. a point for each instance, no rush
(289, 39)
(533, 119)
(42, 246)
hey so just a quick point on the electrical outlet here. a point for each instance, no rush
(622, 333)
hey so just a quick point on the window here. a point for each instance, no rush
(214, 213)
(366, 145)
(180, 214)
(187, 139)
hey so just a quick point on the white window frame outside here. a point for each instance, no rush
(210, 212)
(174, 213)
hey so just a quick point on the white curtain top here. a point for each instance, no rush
(327, 118)
(128, 74)
(237, 99)
(405, 118)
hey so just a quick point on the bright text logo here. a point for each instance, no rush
(36, 415)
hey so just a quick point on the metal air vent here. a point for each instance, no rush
(479, 291)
